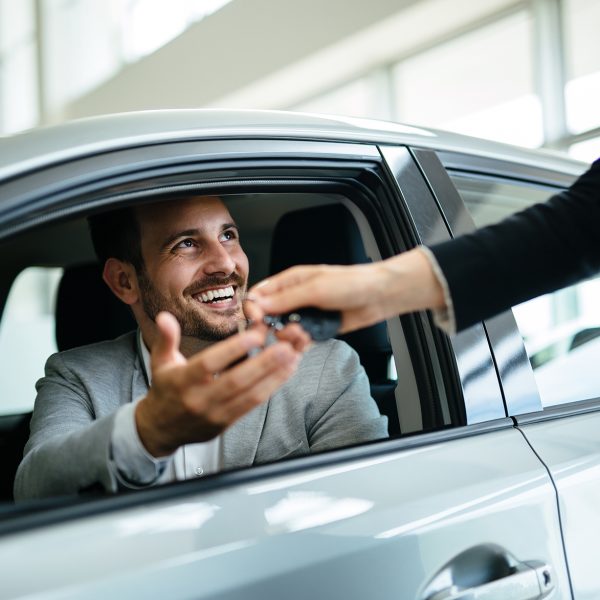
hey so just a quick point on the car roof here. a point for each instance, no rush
(37, 148)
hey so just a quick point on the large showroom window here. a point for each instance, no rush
(146, 25)
(18, 66)
(459, 85)
(588, 150)
(86, 42)
(582, 18)
(582, 90)
(80, 49)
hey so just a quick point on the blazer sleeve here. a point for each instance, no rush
(538, 250)
(343, 411)
(68, 449)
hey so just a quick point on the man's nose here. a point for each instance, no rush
(217, 260)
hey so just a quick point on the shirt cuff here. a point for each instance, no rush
(132, 464)
(442, 317)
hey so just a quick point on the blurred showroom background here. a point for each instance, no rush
(525, 72)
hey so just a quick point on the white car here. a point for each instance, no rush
(483, 490)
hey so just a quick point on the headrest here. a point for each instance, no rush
(86, 310)
(326, 234)
(311, 236)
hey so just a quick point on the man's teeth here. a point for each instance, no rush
(225, 293)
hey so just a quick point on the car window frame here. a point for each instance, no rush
(393, 217)
(109, 177)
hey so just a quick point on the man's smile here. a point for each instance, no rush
(221, 297)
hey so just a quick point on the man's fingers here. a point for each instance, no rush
(252, 310)
(222, 354)
(295, 335)
(165, 349)
(270, 363)
(256, 394)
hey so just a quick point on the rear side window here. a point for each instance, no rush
(561, 330)
(26, 336)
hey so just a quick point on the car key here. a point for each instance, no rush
(319, 324)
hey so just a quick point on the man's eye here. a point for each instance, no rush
(229, 235)
(188, 243)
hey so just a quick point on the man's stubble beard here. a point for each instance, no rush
(191, 322)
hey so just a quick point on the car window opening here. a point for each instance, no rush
(275, 229)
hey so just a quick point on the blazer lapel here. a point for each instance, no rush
(240, 441)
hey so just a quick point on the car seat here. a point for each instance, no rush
(86, 309)
(329, 235)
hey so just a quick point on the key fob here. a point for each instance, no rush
(319, 324)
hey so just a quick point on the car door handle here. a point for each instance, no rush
(488, 572)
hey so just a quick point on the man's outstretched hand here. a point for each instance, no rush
(194, 400)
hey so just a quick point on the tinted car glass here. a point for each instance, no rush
(561, 330)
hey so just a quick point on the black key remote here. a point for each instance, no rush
(319, 324)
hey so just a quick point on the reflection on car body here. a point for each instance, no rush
(477, 465)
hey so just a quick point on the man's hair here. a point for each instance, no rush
(116, 234)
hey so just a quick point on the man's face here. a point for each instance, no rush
(194, 266)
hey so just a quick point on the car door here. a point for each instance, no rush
(458, 501)
(557, 365)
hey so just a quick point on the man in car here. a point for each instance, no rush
(169, 401)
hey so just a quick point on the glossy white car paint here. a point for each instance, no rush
(570, 447)
(374, 528)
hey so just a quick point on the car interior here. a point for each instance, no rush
(277, 231)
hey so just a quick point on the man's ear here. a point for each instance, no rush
(121, 278)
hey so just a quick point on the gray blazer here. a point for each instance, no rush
(326, 404)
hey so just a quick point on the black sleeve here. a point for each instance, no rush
(538, 250)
